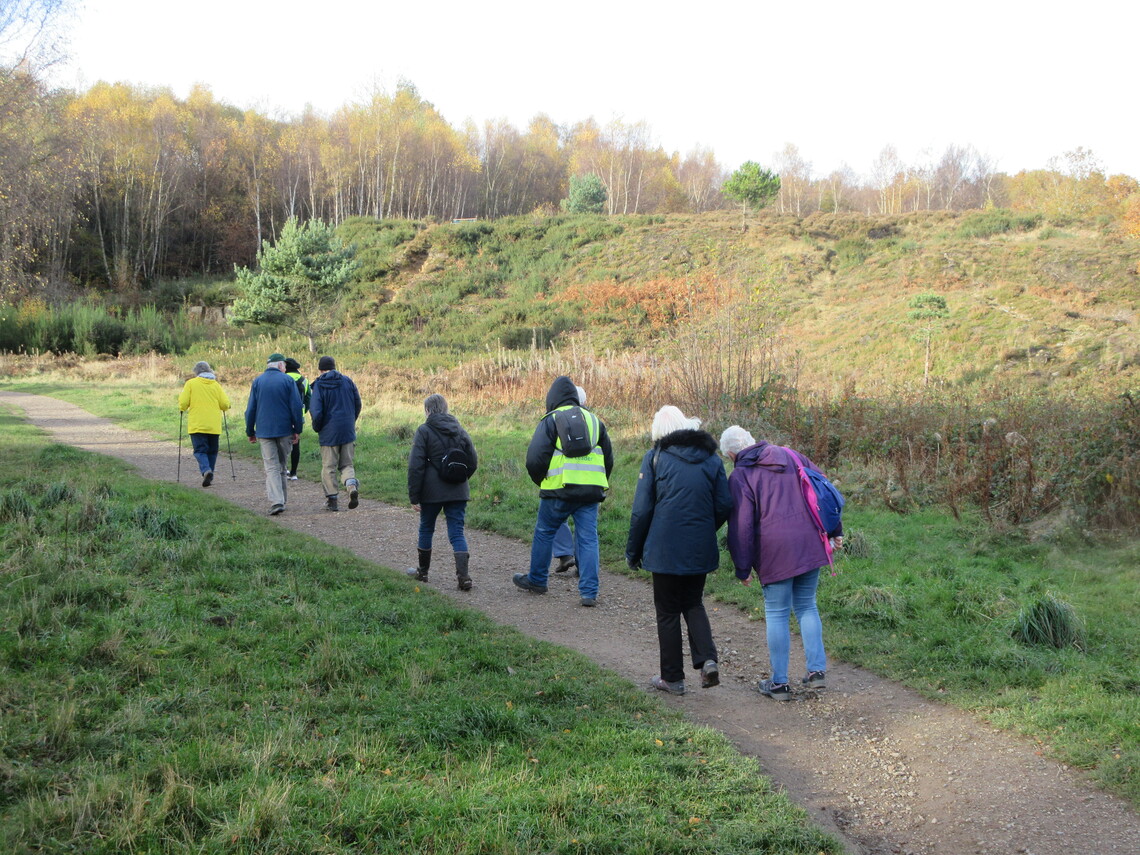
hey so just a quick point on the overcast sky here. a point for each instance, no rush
(1022, 82)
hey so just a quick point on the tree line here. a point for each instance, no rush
(121, 185)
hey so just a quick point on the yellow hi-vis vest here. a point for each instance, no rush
(589, 469)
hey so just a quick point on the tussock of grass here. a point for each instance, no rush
(1049, 621)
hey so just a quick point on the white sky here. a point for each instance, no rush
(1020, 81)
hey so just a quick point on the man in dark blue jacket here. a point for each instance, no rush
(334, 408)
(274, 419)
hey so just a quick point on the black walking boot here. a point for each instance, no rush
(461, 574)
(330, 503)
(420, 574)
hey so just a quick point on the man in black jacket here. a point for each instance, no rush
(568, 487)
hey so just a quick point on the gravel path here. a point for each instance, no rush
(873, 762)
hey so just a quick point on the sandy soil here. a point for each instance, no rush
(874, 763)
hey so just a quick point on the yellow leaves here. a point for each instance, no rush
(658, 742)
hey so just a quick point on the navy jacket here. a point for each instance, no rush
(274, 406)
(334, 408)
(682, 499)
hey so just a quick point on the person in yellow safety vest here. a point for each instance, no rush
(569, 487)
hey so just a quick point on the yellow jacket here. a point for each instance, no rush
(204, 399)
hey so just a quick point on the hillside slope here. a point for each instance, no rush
(1024, 298)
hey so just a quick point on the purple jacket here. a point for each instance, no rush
(770, 529)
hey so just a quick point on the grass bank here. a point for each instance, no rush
(932, 601)
(180, 677)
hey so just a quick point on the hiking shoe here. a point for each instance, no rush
(663, 685)
(815, 680)
(566, 562)
(274, 510)
(775, 691)
(330, 503)
(522, 580)
(710, 674)
(353, 495)
(589, 602)
(292, 476)
(207, 478)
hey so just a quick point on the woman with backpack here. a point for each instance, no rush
(682, 499)
(442, 459)
(773, 532)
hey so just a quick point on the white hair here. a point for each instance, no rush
(581, 396)
(669, 419)
(734, 440)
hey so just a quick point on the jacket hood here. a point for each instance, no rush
(331, 378)
(562, 392)
(445, 423)
(694, 445)
(207, 375)
(765, 455)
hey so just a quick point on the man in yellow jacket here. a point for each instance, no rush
(204, 399)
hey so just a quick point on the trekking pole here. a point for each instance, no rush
(229, 448)
(178, 477)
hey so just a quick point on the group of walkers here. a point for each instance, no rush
(279, 398)
(683, 498)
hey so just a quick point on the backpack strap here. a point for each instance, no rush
(438, 464)
(812, 502)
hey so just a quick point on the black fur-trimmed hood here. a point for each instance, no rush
(688, 444)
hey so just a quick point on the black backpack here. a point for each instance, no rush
(573, 432)
(455, 465)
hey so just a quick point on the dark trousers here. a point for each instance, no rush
(295, 457)
(205, 447)
(676, 597)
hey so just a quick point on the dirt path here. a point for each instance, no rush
(873, 762)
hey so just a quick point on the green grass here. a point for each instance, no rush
(178, 678)
(921, 598)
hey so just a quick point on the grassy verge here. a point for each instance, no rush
(177, 678)
(922, 598)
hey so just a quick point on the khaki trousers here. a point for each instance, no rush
(336, 459)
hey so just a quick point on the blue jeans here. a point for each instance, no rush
(205, 447)
(454, 512)
(563, 543)
(551, 514)
(780, 599)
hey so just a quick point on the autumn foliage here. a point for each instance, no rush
(658, 303)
